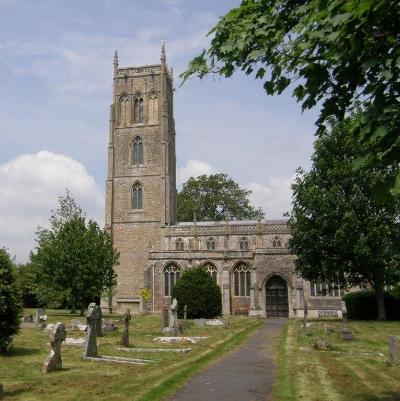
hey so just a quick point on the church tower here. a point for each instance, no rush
(141, 183)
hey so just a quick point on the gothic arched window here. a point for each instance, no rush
(243, 244)
(124, 110)
(179, 244)
(138, 110)
(241, 278)
(276, 242)
(137, 196)
(212, 270)
(210, 244)
(153, 109)
(172, 273)
(137, 151)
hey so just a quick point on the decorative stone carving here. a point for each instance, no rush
(57, 336)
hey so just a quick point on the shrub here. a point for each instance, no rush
(198, 290)
(10, 302)
(362, 305)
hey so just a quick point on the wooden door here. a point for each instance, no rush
(277, 304)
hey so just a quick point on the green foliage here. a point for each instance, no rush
(362, 305)
(211, 196)
(333, 53)
(10, 302)
(73, 261)
(23, 274)
(339, 231)
(198, 290)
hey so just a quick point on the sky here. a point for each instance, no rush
(56, 69)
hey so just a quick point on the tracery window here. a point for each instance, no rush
(153, 108)
(210, 244)
(322, 289)
(179, 244)
(124, 110)
(138, 110)
(243, 244)
(172, 274)
(276, 242)
(242, 280)
(212, 270)
(137, 151)
(137, 196)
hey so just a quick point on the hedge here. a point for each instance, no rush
(362, 305)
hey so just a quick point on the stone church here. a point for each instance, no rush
(248, 259)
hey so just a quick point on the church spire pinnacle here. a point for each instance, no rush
(163, 56)
(116, 63)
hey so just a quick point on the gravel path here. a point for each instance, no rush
(247, 374)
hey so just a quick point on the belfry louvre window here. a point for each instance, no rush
(138, 110)
(212, 270)
(210, 244)
(321, 289)
(243, 244)
(172, 274)
(179, 244)
(137, 151)
(137, 197)
(241, 278)
(276, 242)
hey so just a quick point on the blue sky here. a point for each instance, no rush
(56, 82)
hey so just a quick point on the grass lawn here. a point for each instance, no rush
(348, 371)
(79, 380)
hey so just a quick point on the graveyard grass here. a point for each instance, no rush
(79, 380)
(349, 371)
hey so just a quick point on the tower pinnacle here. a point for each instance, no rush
(116, 64)
(163, 56)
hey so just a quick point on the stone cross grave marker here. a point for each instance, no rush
(57, 336)
(173, 317)
(92, 320)
(125, 331)
(344, 311)
(394, 349)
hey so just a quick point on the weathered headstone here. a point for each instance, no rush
(99, 327)
(40, 315)
(57, 336)
(109, 326)
(394, 350)
(92, 319)
(173, 327)
(165, 314)
(125, 331)
(185, 313)
(28, 318)
(344, 311)
(346, 334)
(320, 344)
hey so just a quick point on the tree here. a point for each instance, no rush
(198, 290)
(10, 302)
(211, 196)
(74, 260)
(340, 233)
(333, 53)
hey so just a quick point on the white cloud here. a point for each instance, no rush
(274, 197)
(30, 187)
(193, 168)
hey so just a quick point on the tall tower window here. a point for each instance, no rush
(210, 244)
(138, 110)
(153, 109)
(124, 110)
(172, 273)
(137, 151)
(179, 245)
(211, 270)
(137, 196)
(243, 244)
(276, 242)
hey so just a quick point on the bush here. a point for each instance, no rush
(362, 305)
(197, 289)
(10, 302)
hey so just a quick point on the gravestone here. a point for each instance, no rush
(57, 336)
(92, 320)
(321, 344)
(40, 315)
(28, 319)
(346, 334)
(164, 316)
(125, 331)
(109, 326)
(173, 327)
(344, 311)
(185, 313)
(99, 327)
(394, 349)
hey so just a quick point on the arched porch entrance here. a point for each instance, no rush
(277, 301)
